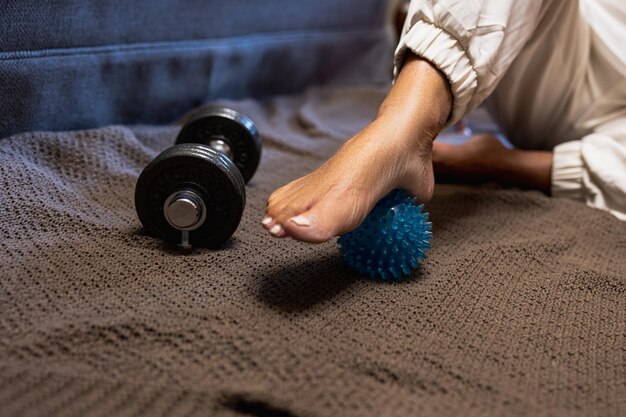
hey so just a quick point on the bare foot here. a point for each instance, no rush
(335, 198)
(394, 151)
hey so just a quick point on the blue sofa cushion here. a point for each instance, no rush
(73, 64)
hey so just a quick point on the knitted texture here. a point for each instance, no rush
(518, 310)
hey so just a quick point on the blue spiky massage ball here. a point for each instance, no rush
(392, 240)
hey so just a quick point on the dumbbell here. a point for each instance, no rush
(193, 194)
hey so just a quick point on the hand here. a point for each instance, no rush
(484, 158)
(474, 161)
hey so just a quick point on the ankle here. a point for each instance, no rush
(401, 140)
(420, 102)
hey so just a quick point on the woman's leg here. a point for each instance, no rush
(394, 151)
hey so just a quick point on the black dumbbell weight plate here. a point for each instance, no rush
(235, 129)
(205, 172)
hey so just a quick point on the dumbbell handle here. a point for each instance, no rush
(228, 132)
(221, 146)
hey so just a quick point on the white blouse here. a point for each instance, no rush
(554, 74)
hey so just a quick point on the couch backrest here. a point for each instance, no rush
(75, 64)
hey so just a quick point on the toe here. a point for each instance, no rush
(277, 231)
(328, 218)
(289, 205)
(282, 206)
(267, 222)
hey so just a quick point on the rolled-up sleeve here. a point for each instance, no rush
(593, 169)
(472, 42)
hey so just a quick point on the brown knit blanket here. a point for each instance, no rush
(519, 309)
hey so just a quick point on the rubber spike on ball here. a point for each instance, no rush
(392, 240)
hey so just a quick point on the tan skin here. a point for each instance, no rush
(484, 158)
(395, 151)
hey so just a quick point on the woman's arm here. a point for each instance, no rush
(592, 169)
(484, 158)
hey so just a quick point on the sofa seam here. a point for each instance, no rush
(184, 45)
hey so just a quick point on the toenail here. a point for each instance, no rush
(266, 220)
(301, 221)
(276, 230)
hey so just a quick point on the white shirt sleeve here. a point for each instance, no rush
(594, 169)
(472, 42)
